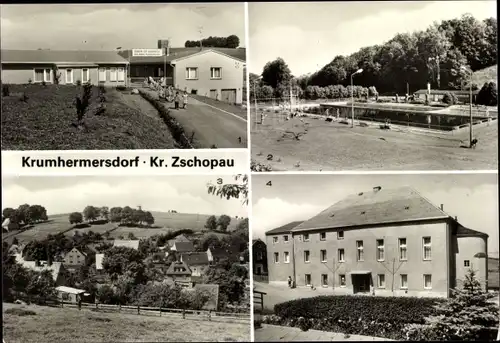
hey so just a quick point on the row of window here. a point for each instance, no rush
(115, 74)
(403, 280)
(192, 73)
(360, 254)
(306, 238)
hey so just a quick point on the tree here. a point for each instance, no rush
(115, 214)
(131, 236)
(466, 316)
(232, 41)
(276, 73)
(104, 211)
(75, 218)
(124, 261)
(238, 190)
(223, 222)
(148, 218)
(211, 223)
(23, 214)
(91, 213)
(105, 295)
(450, 98)
(210, 241)
(231, 287)
(15, 241)
(8, 212)
(488, 95)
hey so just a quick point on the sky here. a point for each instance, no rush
(108, 26)
(309, 35)
(59, 195)
(473, 198)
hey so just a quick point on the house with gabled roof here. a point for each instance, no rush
(76, 257)
(219, 254)
(218, 73)
(180, 273)
(182, 247)
(56, 269)
(63, 67)
(180, 238)
(391, 242)
(197, 261)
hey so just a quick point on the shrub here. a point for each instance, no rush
(257, 323)
(102, 89)
(372, 316)
(82, 103)
(78, 83)
(450, 98)
(488, 95)
(5, 90)
(121, 88)
(259, 167)
(44, 83)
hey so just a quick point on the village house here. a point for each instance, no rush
(259, 254)
(63, 67)
(218, 254)
(197, 261)
(180, 273)
(180, 238)
(55, 268)
(76, 258)
(217, 73)
(182, 247)
(70, 294)
(382, 242)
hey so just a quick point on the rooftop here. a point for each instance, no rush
(195, 258)
(70, 290)
(179, 268)
(287, 228)
(178, 53)
(62, 57)
(183, 246)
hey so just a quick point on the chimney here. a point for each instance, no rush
(456, 218)
(376, 189)
(442, 207)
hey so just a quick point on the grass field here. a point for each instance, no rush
(163, 220)
(334, 146)
(44, 121)
(71, 325)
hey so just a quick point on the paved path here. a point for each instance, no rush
(212, 125)
(274, 333)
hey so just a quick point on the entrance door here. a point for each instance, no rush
(213, 93)
(228, 95)
(361, 283)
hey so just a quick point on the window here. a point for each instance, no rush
(48, 75)
(39, 75)
(121, 74)
(427, 281)
(380, 250)
(308, 279)
(305, 237)
(275, 240)
(285, 238)
(341, 255)
(259, 255)
(306, 256)
(276, 257)
(191, 73)
(324, 280)
(216, 73)
(69, 75)
(322, 236)
(466, 263)
(286, 257)
(427, 248)
(323, 256)
(112, 74)
(65, 296)
(85, 75)
(381, 281)
(404, 281)
(360, 252)
(402, 249)
(102, 74)
(43, 75)
(342, 280)
(340, 234)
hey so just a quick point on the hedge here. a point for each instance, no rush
(175, 128)
(363, 315)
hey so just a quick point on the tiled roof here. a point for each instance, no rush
(55, 268)
(180, 238)
(134, 244)
(287, 228)
(374, 207)
(195, 258)
(178, 53)
(183, 246)
(232, 250)
(70, 290)
(61, 57)
(178, 268)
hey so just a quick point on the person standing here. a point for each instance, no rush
(176, 100)
(290, 282)
(184, 99)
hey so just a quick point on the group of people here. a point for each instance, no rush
(181, 99)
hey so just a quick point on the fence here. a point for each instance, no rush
(258, 299)
(261, 278)
(145, 310)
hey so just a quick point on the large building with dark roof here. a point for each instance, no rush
(382, 242)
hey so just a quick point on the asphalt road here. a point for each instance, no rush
(212, 125)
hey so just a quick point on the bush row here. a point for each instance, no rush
(372, 316)
(175, 128)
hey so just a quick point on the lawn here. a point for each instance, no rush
(71, 325)
(164, 222)
(326, 146)
(44, 121)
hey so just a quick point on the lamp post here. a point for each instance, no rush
(470, 104)
(255, 95)
(359, 71)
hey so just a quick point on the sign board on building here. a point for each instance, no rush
(147, 52)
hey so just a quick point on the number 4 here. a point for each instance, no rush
(269, 183)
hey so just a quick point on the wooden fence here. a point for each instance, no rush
(148, 311)
(258, 299)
